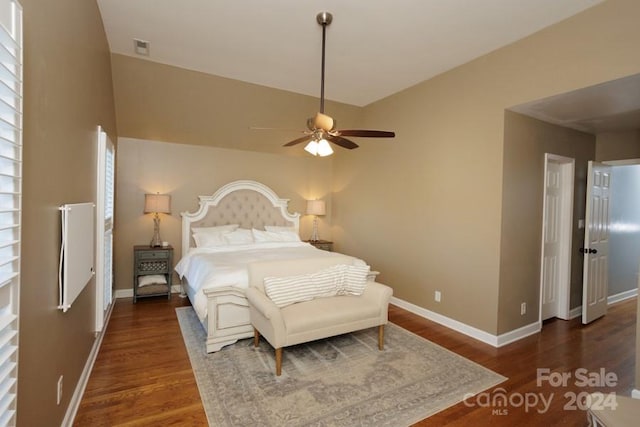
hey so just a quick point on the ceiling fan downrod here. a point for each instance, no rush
(324, 19)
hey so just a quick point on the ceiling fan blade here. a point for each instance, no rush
(367, 133)
(342, 142)
(278, 129)
(298, 141)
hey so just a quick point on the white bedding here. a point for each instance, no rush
(206, 268)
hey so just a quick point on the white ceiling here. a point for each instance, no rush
(608, 107)
(374, 47)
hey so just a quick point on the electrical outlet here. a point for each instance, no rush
(523, 308)
(437, 296)
(59, 398)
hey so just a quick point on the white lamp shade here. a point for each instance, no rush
(324, 149)
(157, 203)
(312, 147)
(316, 207)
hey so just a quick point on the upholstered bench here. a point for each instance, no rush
(283, 323)
(625, 414)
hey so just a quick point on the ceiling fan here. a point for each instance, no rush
(321, 127)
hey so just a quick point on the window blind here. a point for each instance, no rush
(108, 223)
(10, 201)
(104, 220)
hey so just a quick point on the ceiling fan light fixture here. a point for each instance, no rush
(322, 127)
(324, 122)
(324, 149)
(312, 147)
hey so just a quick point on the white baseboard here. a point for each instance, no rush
(124, 293)
(612, 299)
(575, 312)
(635, 393)
(470, 331)
(518, 334)
(128, 293)
(74, 404)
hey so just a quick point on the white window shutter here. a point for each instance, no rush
(10, 201)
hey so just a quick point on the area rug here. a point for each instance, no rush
(339, 381)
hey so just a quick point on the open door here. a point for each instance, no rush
(596, 243)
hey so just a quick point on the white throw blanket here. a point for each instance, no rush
(227, 265)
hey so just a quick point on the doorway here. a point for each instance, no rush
(555, 258)
(624, 225)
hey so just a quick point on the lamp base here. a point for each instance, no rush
(314, 235)
(156, 241)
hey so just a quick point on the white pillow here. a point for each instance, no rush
(241, 236)
(209, 239)
(286, 234)
(152, 279)
(289, 236)
(216, 229)
(260, 236)
(266, 236)
(279, 228)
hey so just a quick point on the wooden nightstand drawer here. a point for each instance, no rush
(152, 267)
(153, 254)
(152, 261)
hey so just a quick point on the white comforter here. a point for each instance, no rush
(227, 265)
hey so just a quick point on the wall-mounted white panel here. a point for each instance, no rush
(77, 251)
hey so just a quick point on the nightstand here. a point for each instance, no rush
(325, 245)
(152, 261)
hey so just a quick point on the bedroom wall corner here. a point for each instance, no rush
(187, 171)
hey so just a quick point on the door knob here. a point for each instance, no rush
(588, 251)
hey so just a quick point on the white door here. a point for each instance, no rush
(596, 243)
(104, 228)
(551, 241)
(555, 264)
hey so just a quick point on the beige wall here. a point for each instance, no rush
(159, 102)
(618, 145)
(526, 142)
(187, 171)
(67, 94)
(433, 199)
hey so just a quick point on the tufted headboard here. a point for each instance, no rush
(248, 203)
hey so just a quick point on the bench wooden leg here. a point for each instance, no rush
(381, 337)
(256, 337)
(278, 361)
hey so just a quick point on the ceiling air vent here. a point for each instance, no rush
(141, 47)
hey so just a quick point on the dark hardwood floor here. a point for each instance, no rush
(142, 375)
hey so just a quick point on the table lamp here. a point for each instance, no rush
(157, 204)
(315, 208)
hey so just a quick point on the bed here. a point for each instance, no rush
(214, 276)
